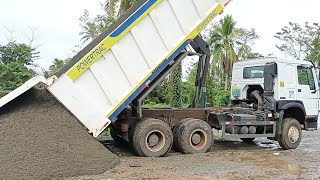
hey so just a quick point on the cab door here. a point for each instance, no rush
(307, 89)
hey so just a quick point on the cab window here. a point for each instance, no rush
(253, 72)
(305, 77)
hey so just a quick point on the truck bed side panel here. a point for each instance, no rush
(106, 79)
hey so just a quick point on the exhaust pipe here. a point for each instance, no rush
(255, 94)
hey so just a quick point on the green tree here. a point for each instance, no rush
(176, 87)
(222, 43)
(14, 61)
(125, 5)
(159, 96)
(314, 51)
(15, 52)
(299, 41)
(89, 28)
(12, 75)
(93, 27)
(189, 89)
(216, 95)
(229, 44)
(110, 7)
(244, 40)
(56, 65)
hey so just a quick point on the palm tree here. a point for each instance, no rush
(91, 28)
(125, 5)
(222, 41)
(110, 7)
(57, 64)
(176, 89)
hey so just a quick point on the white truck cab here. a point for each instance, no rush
(294, 87)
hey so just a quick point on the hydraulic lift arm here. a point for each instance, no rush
(202, 49)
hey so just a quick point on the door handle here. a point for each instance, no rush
(299, 90)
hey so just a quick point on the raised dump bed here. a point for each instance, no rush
(110, 72)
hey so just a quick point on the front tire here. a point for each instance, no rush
(291, 134)
(152, 138)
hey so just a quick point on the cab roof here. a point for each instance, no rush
(262, 61)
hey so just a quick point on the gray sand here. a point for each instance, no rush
(40, 139)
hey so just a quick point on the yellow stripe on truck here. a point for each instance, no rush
(96, 53)
(201, 26)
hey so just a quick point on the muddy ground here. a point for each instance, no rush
(227, 160)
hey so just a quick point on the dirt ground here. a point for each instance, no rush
(227, 160)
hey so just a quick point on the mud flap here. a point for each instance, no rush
(311, 125)
(279, 123)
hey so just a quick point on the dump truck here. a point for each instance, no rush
(105, 84)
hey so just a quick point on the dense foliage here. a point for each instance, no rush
(14, 61)
(230, 44)
(56, 65)
(92, 27)
(300, 42)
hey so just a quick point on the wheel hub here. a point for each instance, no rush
(196, 138)
(293, 134)
(155, 141)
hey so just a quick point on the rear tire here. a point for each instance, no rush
(118, 141)
(291, 134)
(176, 130)
(152, 138)
(247, 140)
(195, 136)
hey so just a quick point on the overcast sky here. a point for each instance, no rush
(58, 21)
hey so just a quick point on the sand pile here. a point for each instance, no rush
(40, 139)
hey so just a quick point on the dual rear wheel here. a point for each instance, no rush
(193, 136)
(154, 138)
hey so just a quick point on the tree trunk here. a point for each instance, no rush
(226, 72)
(111, 10)
(177, 85)
(226, 81)
(125, 5)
